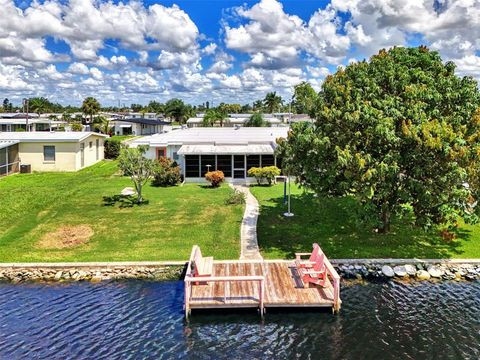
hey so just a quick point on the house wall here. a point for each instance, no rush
(67, 154)
(90, 153)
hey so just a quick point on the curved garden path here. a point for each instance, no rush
(248, 230)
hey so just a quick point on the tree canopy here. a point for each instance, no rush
(272, 102)
(213, 116)
(304, 99)
(90, 107)
(401, 130)
(256, 120)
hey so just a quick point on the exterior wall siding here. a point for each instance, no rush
(67, 154)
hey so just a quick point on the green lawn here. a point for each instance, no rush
(332, 223)
(33, 205)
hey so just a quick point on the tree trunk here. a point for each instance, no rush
(386, 215)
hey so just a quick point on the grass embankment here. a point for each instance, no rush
(332, 223)
(39, 211)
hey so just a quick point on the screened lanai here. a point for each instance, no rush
(9, 159)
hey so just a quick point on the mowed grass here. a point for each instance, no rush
(334, 224)
(35, 205)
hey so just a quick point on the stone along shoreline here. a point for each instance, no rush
(378, 269)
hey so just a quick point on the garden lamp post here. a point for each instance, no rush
(289, 212)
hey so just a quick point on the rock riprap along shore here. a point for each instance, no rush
(18, 275)
(366, 271)
(418, 271)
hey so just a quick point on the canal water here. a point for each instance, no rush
(144, 320)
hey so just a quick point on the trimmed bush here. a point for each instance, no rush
(167, 173)
(267, 173)
(215, 178)
(112, 148)
(257, 173)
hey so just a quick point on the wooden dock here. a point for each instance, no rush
(257, 284)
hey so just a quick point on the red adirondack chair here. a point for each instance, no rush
(317, 274)
(303, 263)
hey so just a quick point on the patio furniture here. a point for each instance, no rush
(304, 263)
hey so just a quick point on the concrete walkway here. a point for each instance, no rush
(248, 230)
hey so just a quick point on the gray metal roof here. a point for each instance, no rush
(7, 143)
(215, 136)
(42, 136)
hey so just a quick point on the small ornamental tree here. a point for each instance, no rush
(215, 178)
(133, 163)
(400, 129)
(112, 147)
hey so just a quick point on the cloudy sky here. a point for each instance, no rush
(232, 51)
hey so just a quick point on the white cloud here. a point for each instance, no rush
(78, 68)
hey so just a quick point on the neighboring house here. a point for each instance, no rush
(54, 151)
(140, 126)
(231, 150)
(18, 122)
(233, 120)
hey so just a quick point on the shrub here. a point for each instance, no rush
(235, 198)
(77, 127)
(257, 173)
(269, 173)
(266, 173)
(112, 148)
(167, 173)
(215, 178)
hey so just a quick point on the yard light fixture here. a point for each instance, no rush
(289, 212)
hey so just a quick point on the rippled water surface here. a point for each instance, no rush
(144, 320)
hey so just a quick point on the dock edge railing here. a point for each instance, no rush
(190, 279)
(333, 274)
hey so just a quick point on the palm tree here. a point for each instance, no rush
(213, 116)
(66, 117)
(272, 101)
(102, 124)
(39, 105)
(90, 107)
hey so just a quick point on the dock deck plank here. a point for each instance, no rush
(283, 287)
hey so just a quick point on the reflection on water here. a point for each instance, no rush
(138, 319)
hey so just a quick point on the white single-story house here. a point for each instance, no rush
(51, 151)
(229, 149)
(138, 126)
(234, 120)
(19, 121)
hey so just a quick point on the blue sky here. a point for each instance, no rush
(231, 51)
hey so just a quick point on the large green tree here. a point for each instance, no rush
(256, 120)
(176, 109)
(401, 130)
(214, 116)
(304, 98)
(90, 107)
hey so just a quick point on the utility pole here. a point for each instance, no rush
(25, 106)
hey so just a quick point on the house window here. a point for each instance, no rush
(175, 156)
(161, 152)
(90, 145)
(268, 160)
(49, 153)
(192, 166)
(97, 148)
(208, 160)
(224, 163)
(253, 161)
